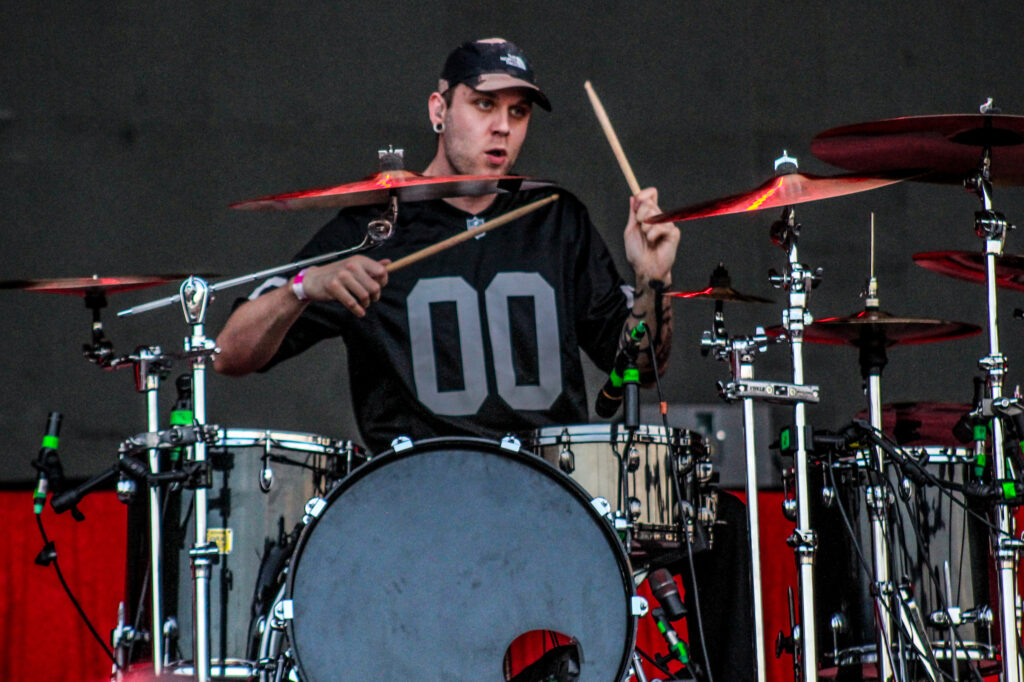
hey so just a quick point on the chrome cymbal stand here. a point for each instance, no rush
(798, 281)
(740, 352)
(150, 367)
(992, 227)
(195, 295)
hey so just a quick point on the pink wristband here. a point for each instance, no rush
(297, 288)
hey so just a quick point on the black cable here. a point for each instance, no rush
(71, 595)
(682, 516)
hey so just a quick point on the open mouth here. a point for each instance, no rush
(496, 156)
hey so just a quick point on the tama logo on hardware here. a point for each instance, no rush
(514, 60)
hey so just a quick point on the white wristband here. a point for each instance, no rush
(297, 288)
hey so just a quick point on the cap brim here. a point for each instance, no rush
(489, 82)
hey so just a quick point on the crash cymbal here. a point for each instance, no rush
(921, 423)
(82, 286)
(407, 185)
(784, 190)
(943, 148)
(856, 330)
(970, 266)
(719, 289)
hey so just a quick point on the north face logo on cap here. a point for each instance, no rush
(513, 60)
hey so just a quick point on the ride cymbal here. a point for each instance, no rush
(940, 148)
(406, 185)
(970, 266)
(82, 286)
(784, 190)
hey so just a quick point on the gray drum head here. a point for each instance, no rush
(428, 563)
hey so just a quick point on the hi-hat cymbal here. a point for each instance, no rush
(970, 266)
(407, 185)
(943, 148)
(82, 286)
(870, 326)
(784, 190)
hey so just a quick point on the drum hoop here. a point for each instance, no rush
(426, 445)
(601, 433)
(284, 440)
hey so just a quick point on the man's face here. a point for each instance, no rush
(484, 131)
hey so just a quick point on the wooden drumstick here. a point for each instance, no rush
(468, 234)
(613, 139)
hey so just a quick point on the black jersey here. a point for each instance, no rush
(482, 339)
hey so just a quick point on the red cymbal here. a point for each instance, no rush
(719, 294)
(921, 423)
(895, 331)
(943, 148)
(785, 190)
(377, 188)
(81, 286)
(970, 266)
(719, 289)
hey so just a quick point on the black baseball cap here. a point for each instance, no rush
(488, 65)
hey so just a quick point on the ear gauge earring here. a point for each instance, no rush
(439, 127)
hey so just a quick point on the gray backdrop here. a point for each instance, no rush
(129, 127)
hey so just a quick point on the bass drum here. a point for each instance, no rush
(430, 560)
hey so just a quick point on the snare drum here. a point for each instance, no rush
(261, 481)
(592, 455)
(431, 559)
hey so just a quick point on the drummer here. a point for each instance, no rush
(482, 339)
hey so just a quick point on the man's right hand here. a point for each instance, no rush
(355, 282)
(256, 329)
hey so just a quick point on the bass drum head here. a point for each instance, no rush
(427, 563)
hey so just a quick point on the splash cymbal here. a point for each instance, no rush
(970, 266)
(784, 190)
(719, 289)
(377, 189)
(82, 286)
(942, 148)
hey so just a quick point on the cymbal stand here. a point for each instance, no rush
(150, 368)
(195, 295)
(878, 498)
(740, 352)
(798, 281)
(992, 227)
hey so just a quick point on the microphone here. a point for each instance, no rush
(610, 396)
(46, 461)
(675, 643)
(665, 590)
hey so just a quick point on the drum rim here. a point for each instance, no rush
(600, 432)
(245, 437)
(465, 442)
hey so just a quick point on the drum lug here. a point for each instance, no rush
(639, 606)
(566, 461)
(633, 460)
(314, 508)
(636, 508)
(401, 443)
(602, 507)
(283, 610)
(511, 443)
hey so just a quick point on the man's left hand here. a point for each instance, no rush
(650, 249)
